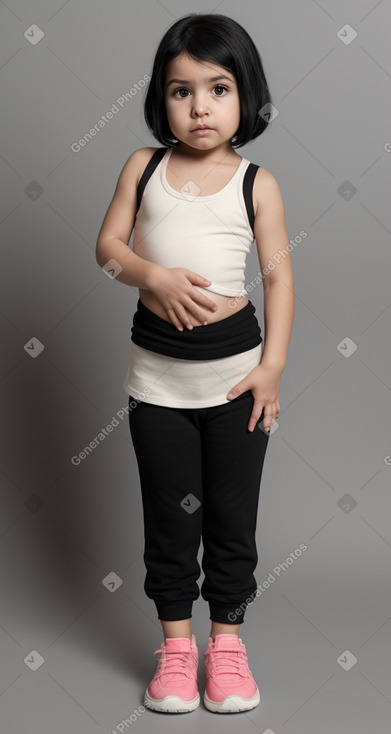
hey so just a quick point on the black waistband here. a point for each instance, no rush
(232, 335)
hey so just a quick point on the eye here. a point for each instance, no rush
(183, 89)
(221, 86)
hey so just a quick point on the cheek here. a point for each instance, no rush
(232, 111)
(237, 106)
(172, 111)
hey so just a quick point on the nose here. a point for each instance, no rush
(200, 106)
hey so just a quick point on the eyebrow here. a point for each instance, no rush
(185, 81)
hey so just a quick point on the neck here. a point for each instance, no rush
(224, 150)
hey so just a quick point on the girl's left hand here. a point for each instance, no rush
(264, 383)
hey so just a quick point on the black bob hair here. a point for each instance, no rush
(219, 39)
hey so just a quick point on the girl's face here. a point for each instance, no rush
(194, 96)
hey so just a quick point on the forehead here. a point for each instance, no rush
(185, 67)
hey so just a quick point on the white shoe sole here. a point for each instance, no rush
(232, 704)
(171, 704)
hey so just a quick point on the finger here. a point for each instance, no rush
(253, 422)
(188, 319)
(183, 316)
(204, 302)
(194, 320)
(211, 305)
(200, 315)
(235, 391)
(174, 319)
(197, 278)
(193, 315)
(254, 417)
(267, 422)
(197, 317)
(271, 413)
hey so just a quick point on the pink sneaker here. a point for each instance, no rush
(230, 686)
(173, 688)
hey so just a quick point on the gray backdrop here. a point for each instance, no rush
(77, 632)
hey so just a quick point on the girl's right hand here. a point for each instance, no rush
(173, 287)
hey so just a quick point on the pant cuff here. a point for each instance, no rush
(227, 614)
(173, 611)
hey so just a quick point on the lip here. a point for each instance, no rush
(202, 130)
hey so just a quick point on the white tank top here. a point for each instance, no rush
(210, 235)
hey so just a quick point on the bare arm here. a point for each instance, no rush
(272, 241)
(117, 227)
(173, 287)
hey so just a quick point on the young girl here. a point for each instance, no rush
(203, 385)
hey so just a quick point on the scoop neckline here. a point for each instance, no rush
(179, 195)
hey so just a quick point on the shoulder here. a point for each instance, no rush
(266, 191)
(135, 165)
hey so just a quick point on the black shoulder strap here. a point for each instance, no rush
(148, 171)
(248, 181)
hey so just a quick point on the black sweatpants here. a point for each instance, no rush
(200, 471)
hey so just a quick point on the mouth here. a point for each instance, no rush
(202, 130)
(201, 127)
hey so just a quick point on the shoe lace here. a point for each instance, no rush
(175, 662)
(234, 658)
